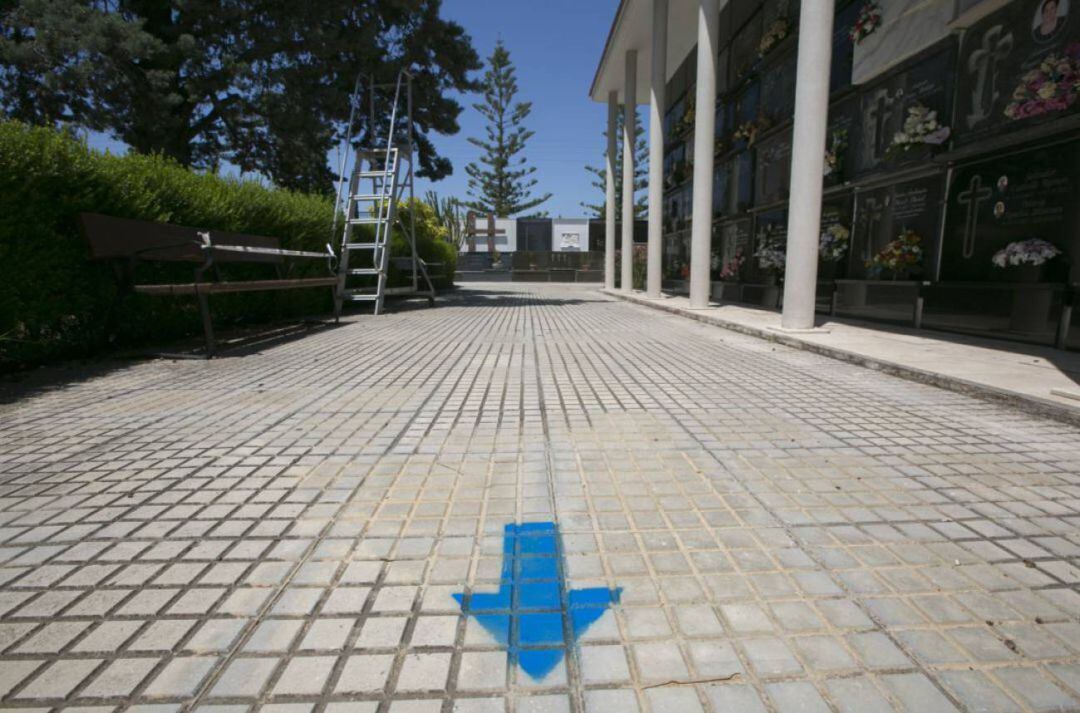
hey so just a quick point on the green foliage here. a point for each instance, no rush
(55, 303)
(263, 85)
(502, 183)
(448, 212)
(432, 241)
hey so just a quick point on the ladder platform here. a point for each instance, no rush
(374, 174)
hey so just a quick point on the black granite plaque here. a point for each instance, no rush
(1010, 70)
(835, 210)
(786, 10)
(1033, 194)
(882, 214)
(742, 181)
(722, 189)
(778, 88)
(841, 138)
(744, 47)
(773, 171)
(885, 106)
(735, 239)
(843, 49)
(772, 223)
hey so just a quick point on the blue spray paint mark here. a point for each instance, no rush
(530, 612)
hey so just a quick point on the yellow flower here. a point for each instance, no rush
(1047, 90)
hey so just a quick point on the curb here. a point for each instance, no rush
(1023, 402)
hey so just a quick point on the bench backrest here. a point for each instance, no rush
(110, 237)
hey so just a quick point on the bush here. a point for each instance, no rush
(55, 303)
(432, 240)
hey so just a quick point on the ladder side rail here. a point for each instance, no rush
(412, 159)
(345, 157)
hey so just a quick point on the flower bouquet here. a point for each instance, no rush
(748, 130)
(730, 270)
(921, 127)
(771, 253)
(834, 153)
(686, 121)
(1053, 85)
(903, 254)
(774, 34)
(1028, 256)
(833, 243)
(866, 23)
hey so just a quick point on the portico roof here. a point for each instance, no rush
(632, 30)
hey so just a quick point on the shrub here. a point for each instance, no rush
(432, 239)
(55, 303)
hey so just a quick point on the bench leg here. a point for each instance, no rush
(208, 324)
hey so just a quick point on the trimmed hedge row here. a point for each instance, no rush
(55, 303)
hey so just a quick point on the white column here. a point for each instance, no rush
(629, 121)
(609, 185)
(807, 161)
(656, 147)
(704, 128)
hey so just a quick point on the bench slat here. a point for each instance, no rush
(216, 288)
(247, 250)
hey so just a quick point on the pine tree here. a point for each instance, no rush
(501, 181)
(641, 173)
(262, 85)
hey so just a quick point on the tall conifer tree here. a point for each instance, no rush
(501, 182)
(641, 170)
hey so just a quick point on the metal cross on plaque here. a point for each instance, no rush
(872, 213)
(982, 64)
(490, 232)
(975, 194)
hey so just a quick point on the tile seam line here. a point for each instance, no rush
(1032, 405)
(919, 666)
(200, 695)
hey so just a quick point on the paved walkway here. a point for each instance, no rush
(1045, 379)
(698, 520)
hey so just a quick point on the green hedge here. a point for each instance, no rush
(55, 303)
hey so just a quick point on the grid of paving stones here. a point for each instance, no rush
(285, 531)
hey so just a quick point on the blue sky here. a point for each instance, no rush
(555, 45)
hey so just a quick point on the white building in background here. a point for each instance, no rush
(570, 235)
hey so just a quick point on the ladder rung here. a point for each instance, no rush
(371, 196)
(361, 246)
(365, 271)
(375, 174)
(365, 221)
(360, 298)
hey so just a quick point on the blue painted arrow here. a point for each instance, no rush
(530, 612)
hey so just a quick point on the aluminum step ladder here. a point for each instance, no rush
(380, 178)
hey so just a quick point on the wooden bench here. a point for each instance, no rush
(128, 242)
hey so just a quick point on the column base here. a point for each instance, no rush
(789, 330)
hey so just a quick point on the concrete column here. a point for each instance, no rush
(704, 128)
(656, 147)
(609, 185)
(629, 116)
(807, 160)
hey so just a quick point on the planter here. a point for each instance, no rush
(854, 294)
(827, 271)
(770, 296)
(1030, 308)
